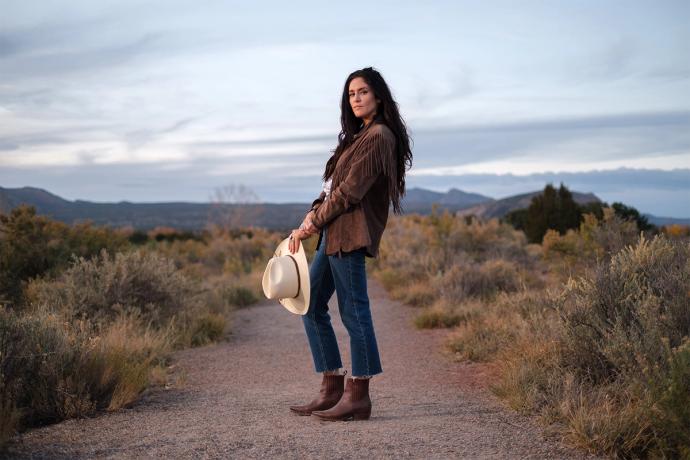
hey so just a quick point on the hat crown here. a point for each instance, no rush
(283, 278)
(286, 278)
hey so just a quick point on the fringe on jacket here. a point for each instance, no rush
(374, 152)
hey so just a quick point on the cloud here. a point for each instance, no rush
(138, 138)
(573, 142)
(59, 63)
(166, 89)
(614, 60)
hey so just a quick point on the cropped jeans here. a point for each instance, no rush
(345, 274)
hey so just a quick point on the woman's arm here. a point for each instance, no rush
(317, 202)
(307, 224)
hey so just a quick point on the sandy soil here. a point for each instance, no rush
(234, 403)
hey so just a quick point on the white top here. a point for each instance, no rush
(327, 186)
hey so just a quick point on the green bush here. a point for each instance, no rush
(207, 328)
(32, 246)
(438, 317)
(51, 369)
(102, 288)
(240, 296)
(479, 280)
(616, 324)
(552, 209)
(557, 210)
(480, 339)
(625, 336)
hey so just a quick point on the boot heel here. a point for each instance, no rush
(362, 416)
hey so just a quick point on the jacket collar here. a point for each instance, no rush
(377, 119)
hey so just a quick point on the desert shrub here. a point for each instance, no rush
(439, 316)
(390, 279)
(607, 236)
(555, 244)
(95, 330)
(617, 323)
(51, 369)
(416, 293)
(676, 231)
(421, 249)
(207, 328)
(630, 214)
(102, 288)
(28, 346)
(598, 422)
(481, 280)
(480, 240)
(482, 338)
(614, 372)
(628, 327)
(531, 378)
(596, 241)
(172, 234)
(239, 296)
(404, 252)
(121, 357)
(32, 246)
(557, 211)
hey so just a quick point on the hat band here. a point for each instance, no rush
(298, 278)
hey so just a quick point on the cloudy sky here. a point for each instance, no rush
(170, 100)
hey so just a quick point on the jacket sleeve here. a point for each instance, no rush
(364, 170)
(317, 202)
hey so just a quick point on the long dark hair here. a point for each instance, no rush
(388, 114)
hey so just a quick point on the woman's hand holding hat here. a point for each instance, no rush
(296, 236)
(305, 230)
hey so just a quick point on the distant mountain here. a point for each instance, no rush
(191, 216)
(42, 200)
(499, 208)
(186, 216)
(420, 200)
(660, 221)
(283, 216)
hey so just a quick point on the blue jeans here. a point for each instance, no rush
(346, 275)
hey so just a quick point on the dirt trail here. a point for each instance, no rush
(236, 396)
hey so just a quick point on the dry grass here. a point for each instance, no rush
(94, 336)
(207, 328)
(530, 376)
(479, 340)
(590, 331)
(102, 288)
(53, 369)
(416, 293)
(129, 351)
(441, 315)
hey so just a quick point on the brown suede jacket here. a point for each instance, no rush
(356, 210)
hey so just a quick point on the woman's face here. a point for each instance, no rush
(362, 100)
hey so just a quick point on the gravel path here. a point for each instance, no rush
(235, 401)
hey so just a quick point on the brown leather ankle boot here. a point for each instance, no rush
(355, 403)
(329, 395)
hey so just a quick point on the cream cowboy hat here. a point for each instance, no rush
(286, 278)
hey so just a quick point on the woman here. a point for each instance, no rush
(365, 175)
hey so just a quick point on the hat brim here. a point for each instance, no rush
(300, 304)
